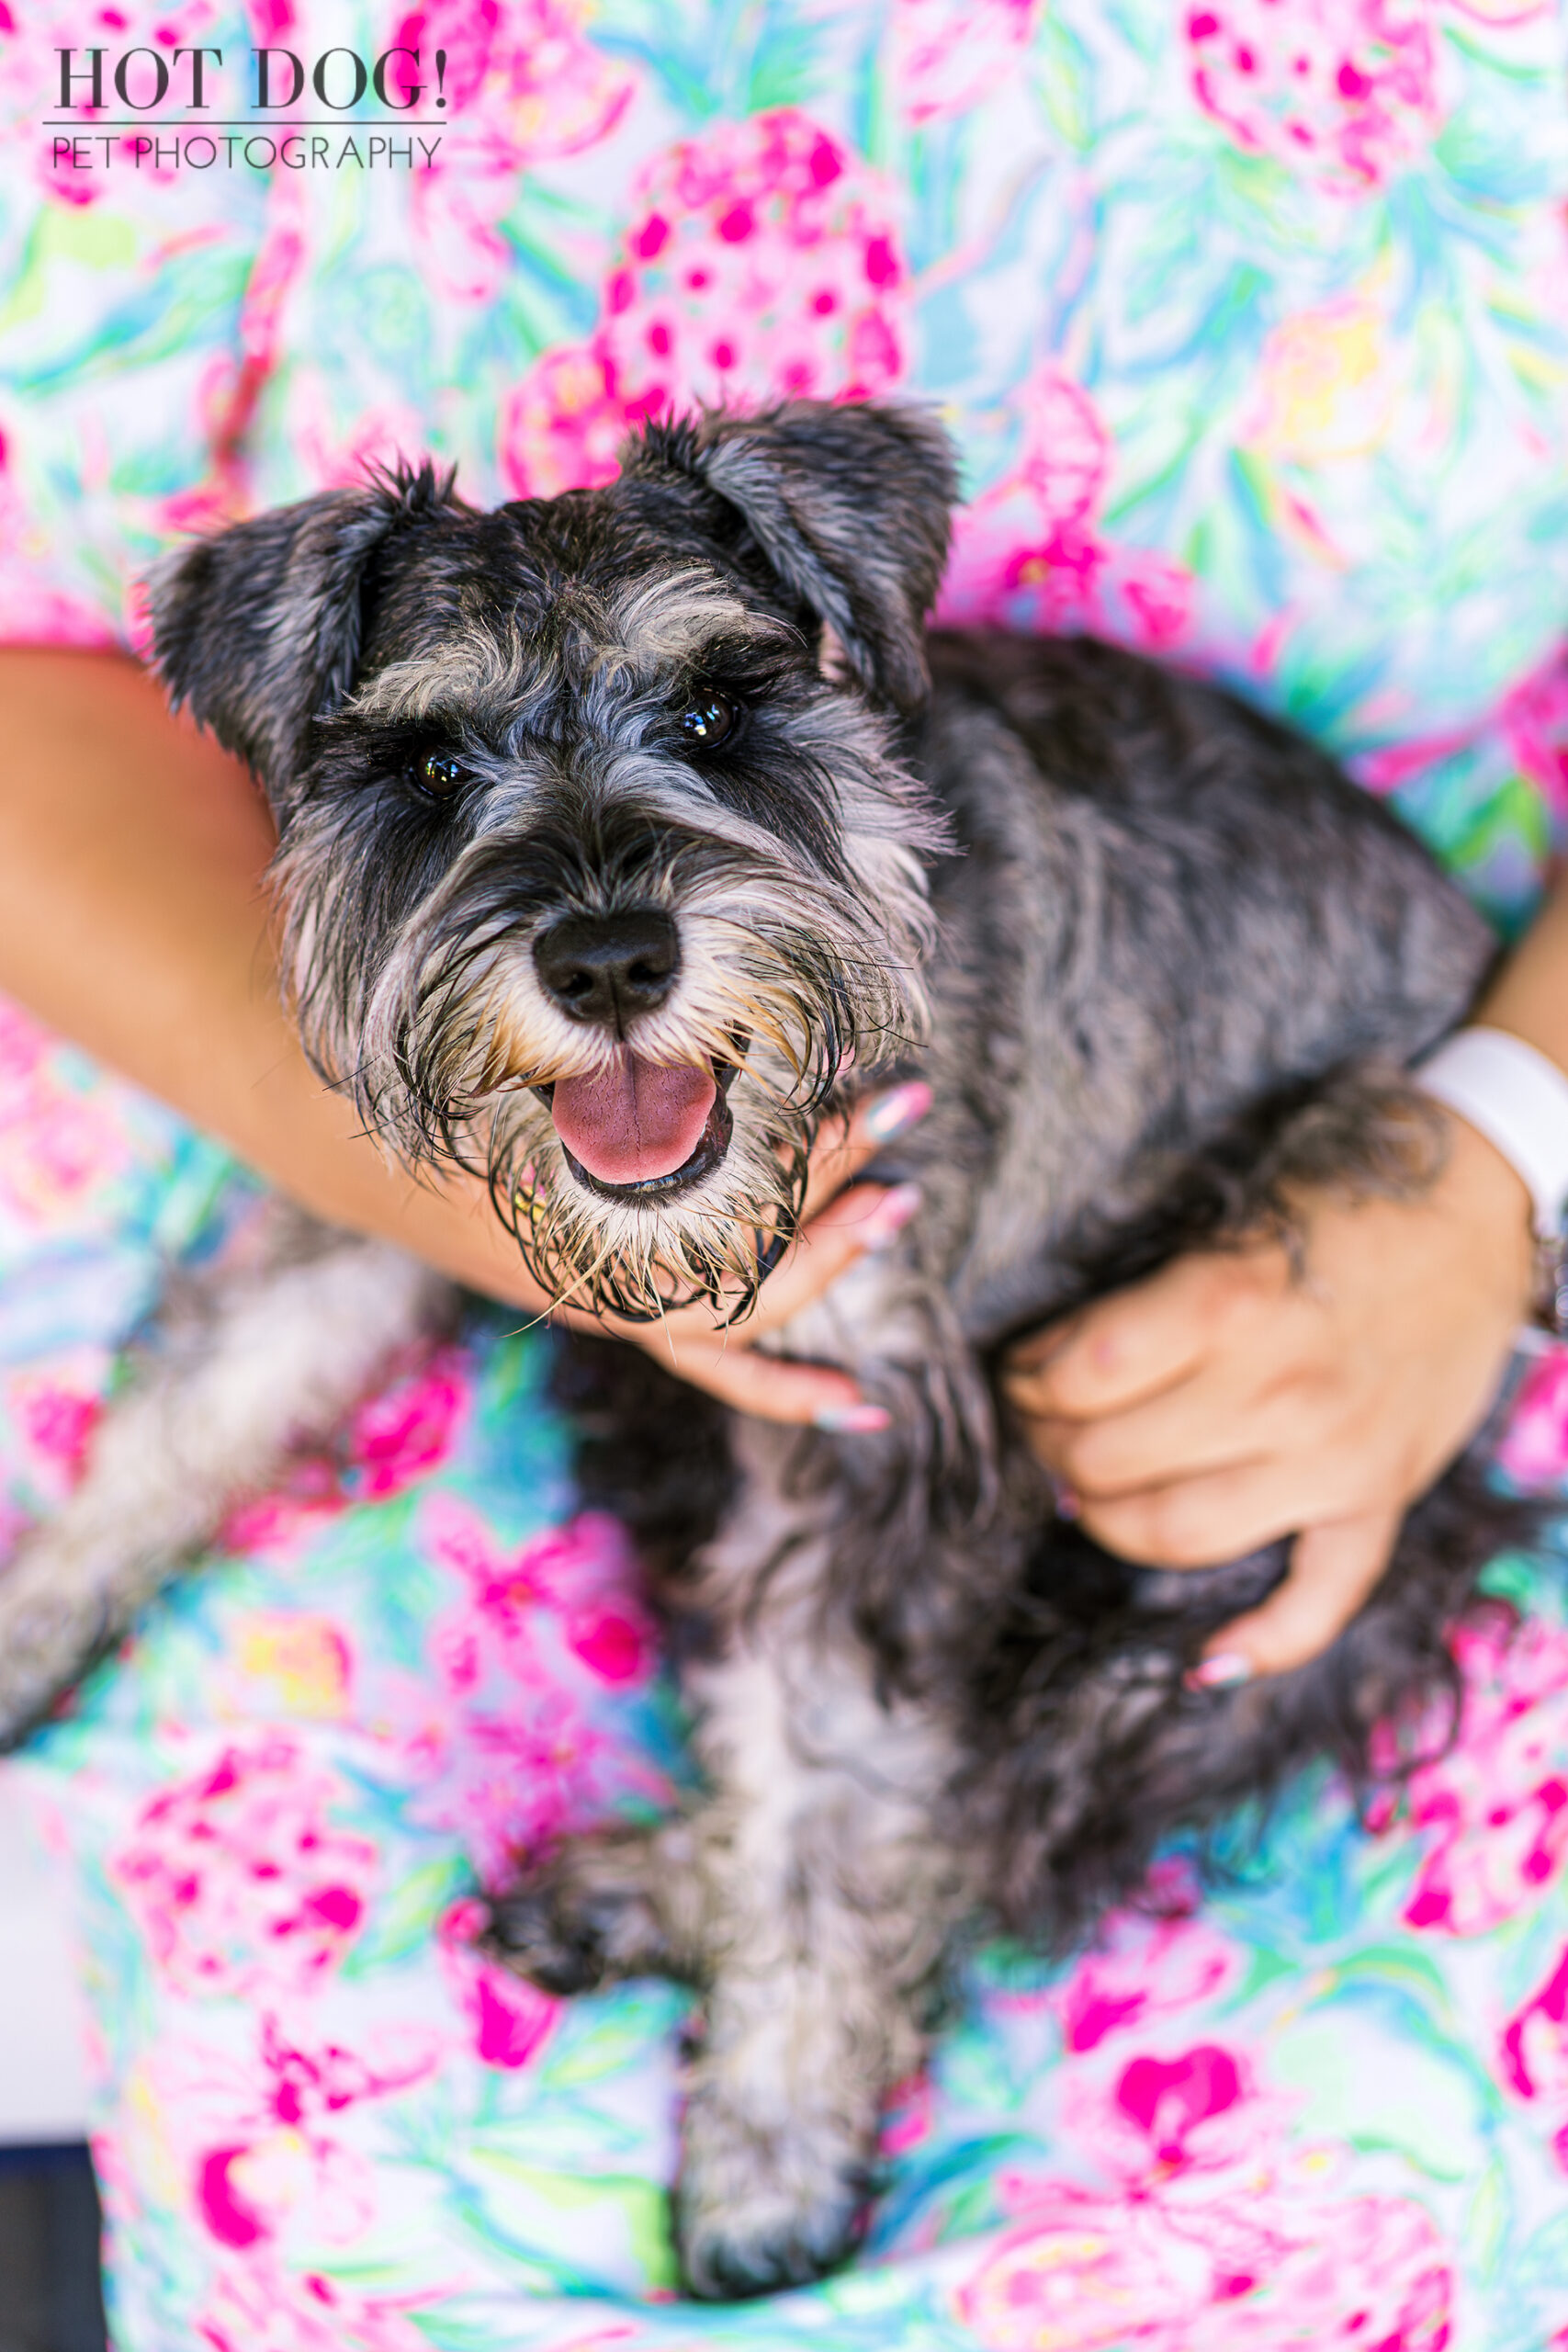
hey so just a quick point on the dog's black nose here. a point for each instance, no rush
(607, 968)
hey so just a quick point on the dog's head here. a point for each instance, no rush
(597, 859)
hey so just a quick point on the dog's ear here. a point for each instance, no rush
(258, 629)
(849, 505)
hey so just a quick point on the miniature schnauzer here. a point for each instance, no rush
(623, 838)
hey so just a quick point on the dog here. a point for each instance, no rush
(624, 838)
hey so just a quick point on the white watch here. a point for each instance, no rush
(1517, 1098)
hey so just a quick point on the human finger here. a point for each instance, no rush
(836, 1226)
(721, 1359)
(724, 1361)
(1223, 1413)
(845, 1147)
(772, 1388)
(1219, 1515)
(867, 1217)
(1334, 1570)
(1134, 1343)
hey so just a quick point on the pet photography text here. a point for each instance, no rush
(196, 107)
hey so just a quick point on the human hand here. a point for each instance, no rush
(1229, 1400)
(837, 1227)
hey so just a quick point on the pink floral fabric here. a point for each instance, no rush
(1248, 321)
(1325, 2102)
(1248, 318)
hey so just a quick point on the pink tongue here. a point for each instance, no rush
(632, 1121)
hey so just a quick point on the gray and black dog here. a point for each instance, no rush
(623, 836)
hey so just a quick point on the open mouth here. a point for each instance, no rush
(639, 1131)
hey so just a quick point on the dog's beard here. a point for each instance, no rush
(718, 1242)
(458, 1051)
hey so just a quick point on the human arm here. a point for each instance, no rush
(134, 919)
(1228, 1401)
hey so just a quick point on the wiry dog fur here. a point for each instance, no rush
(1160, 963)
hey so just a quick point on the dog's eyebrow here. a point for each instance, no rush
(653, 625)
(477, 668)
(666, 620)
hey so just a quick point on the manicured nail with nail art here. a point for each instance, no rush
(905, 1107)
(851, 1420)
(890, 1215)
(1224, 1672)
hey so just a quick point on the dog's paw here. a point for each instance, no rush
(587, 1917)
(756, 2210)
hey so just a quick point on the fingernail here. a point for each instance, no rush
(890, 1215)
(1224, 1672)
(905, 1107)
(1067, 1503)
(851, 1420)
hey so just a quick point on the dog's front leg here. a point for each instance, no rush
(810, 1897)
(829, 1904)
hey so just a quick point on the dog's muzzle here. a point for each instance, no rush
(633, 1129)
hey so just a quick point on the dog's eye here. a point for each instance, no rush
(708, 720)
(439, 775)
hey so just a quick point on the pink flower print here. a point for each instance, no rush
(1534, 1447)
(550, 91)
(762, 264)
(249, 2188)
(259, 2136)
(1141, 1969)
(1535, 2047)
(390, 1443)
(522, 83)
(1494, 1808)
(1535, 721)
(1343, 92)
(522, 72)
(1189, 2114)
(287, 1518)
(611, 1644)
(1278, 2268)
(1028, 553)
(55, 1413)
(1167, 2098)
(262, 2304)
(584, 1568)
(517, 1782)
(947, 55)
(59, 1147)
(303, 1663)
(336, 450)
(237, 1878)
(563, 426)
(395, 1437)
(523, 1656)
(509, 2020)
(909, 2116)
(1215, 2231)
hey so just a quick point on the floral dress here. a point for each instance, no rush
(1250, 321)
